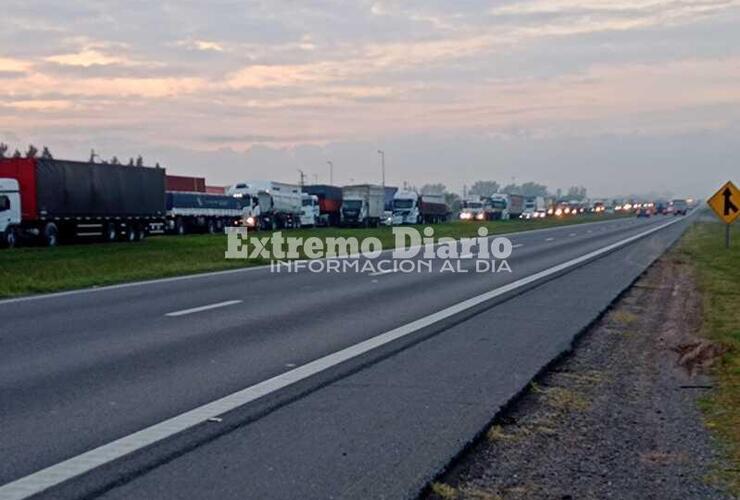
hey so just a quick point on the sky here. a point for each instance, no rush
(621, 96)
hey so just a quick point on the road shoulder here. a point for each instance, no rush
(619, 417)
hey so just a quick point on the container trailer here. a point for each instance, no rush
(48, 200)
(185, 183)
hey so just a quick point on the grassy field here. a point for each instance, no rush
(26, 271)
(718, 271)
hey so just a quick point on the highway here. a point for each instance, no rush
(411, 367)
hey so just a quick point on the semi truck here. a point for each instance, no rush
(268, 204)
(189, 212)
(410, 207)
(330, 202)
(506, 206)
(48, 200)
(474, 208)
(310, 210)
(534, 207)
(362, 205)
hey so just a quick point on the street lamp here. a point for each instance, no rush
(382, 165)
(331, 173)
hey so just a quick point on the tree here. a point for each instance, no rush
(511, 189)
(576, 193)
(533, 189)
(433, 189)
(3, 149)
(453, 201)
(484, 188)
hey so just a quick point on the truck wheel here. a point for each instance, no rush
(211, 227)
(179, 226)
(10, 238)
(51, 235)
(130, 233)
(140, 232)
(111, 232)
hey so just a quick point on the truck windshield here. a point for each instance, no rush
(402, 204)
(473, 204)
(498, 203)
(352, 204)
(307, 202)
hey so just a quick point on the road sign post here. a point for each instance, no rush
(727, 236)
(726, 204)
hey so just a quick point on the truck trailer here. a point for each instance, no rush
(49, 200)
(330, 202)
(506, 206)
(185, 183)
(409, 207)
(362, 205)
(189, 212)
(269, 204)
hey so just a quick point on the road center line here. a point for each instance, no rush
(549, 239)
(53, 475)
(517, 245)
(203, 308)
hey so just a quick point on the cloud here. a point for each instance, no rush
(235, 74)
(8, 65)
(201, 45)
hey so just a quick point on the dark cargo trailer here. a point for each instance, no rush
(185, 183)
(61, 199)
(330, 202)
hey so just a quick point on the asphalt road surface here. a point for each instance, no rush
(293, 385)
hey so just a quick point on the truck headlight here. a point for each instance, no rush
(480, 216)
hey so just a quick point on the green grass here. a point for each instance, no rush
(718, 272)
(25, 271)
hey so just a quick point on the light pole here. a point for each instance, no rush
(382, 165)
(331, 173)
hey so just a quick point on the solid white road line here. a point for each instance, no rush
(203, 308)
(53, 475)
(517, 245)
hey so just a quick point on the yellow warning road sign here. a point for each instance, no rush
(726, 202)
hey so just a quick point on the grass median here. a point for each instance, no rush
(718, 273)
(25, 271)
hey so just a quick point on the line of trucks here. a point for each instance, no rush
(49, 201)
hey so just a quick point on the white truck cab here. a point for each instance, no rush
(406, 208)
(310, 212)
(500, 206)
(473, 208)
(10, 211)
